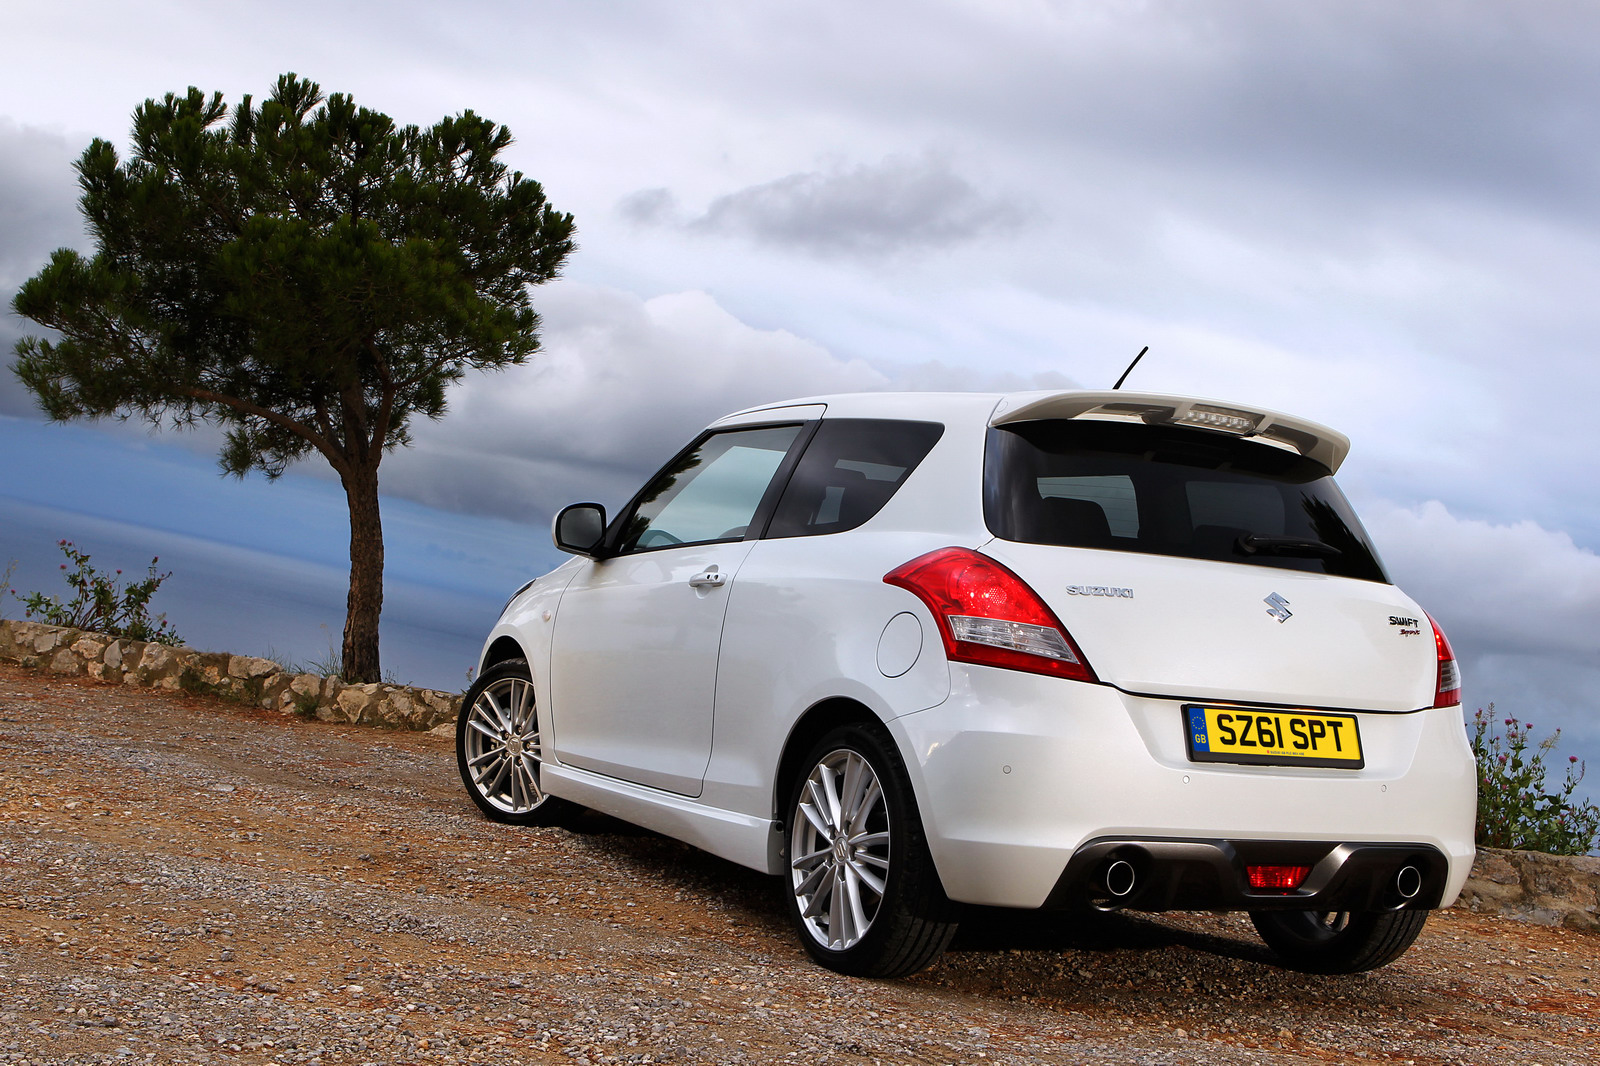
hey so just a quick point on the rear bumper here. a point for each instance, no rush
(1017, 776)
(1160, 875)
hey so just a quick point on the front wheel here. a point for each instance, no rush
(1338, 941)
(499, 748)
(861, 887)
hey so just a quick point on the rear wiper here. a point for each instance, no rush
(1256, 544)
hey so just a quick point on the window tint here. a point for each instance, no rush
(1170, 491)
(848, 472)
(710, 493)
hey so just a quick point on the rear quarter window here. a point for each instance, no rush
(851, 468)
(1166, 490)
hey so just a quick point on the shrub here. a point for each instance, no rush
(100, 604)
(1516, 807)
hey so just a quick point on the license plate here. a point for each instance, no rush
(1273, 738)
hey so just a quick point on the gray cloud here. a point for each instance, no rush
(1521, 606)
(876, 209)
(38, 214)
(621, 385)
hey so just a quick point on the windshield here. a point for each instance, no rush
(1165, 490)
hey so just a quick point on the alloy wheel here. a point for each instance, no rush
(502, 746)
(840, 849)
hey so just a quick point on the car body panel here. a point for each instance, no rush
(636, 648)
(802, 630)
(1201, 629)
(1015, 772)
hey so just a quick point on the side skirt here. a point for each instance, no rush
(741, 838)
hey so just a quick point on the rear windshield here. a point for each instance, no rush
(1164, 490)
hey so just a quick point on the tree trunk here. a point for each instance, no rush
(365, 601)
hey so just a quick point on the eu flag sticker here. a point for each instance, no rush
(1198, 738)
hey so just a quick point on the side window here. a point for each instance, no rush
(710, 493)
(848, 472)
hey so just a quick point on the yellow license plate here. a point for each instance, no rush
(1273, 738)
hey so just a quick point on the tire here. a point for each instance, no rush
(1338, 941)
(498, 749)
(867, 902)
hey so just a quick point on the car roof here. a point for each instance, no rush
(1314, 440)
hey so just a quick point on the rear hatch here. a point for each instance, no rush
(1202, 565)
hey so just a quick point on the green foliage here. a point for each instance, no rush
(101, 604)
(307, 274)
(1516, 807)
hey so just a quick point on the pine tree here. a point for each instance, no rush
(307, 275)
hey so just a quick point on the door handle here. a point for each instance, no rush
(708, 579)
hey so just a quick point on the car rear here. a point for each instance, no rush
(1180, 677)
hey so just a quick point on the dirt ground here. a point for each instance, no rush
(188, 881)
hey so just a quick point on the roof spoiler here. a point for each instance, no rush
(1314, 441)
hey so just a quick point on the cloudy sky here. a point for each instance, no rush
(1381, 216)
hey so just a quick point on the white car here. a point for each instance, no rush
(1036, 650)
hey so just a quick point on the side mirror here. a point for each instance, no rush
(579, 528)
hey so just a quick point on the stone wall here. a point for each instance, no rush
(1548, 889)
(259, 682)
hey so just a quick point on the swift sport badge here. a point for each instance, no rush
(1278, 607)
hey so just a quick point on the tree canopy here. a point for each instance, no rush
(306, 274)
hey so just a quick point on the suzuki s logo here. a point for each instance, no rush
(1278, 607)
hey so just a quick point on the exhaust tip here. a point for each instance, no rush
(1119, 878)
(1408, 882)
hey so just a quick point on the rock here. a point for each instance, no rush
(248, 666)
(89, 647)
(48, 638)
(1547, 889)
(66, 662)
(158, 662)
(356, 703)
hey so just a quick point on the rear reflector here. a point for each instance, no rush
(989, 615)
(1276, 878)
(1447, 692)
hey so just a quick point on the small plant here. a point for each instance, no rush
(330, 665)
(5, 583)
(101, 604)
(1515, 810)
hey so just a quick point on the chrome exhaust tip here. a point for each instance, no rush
(1119, 878)
(1408, 882)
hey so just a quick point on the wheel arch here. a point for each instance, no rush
(820, 719)
(499, 651)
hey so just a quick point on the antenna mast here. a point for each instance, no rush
(1131, 365)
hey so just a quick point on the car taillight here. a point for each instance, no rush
(1447, 693)
(989, 615)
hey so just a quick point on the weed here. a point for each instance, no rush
(101, 604)
(1517, 807)
(5, 584)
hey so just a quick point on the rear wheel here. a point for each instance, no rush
(499, 748)
(1338, 941)
(861, 887)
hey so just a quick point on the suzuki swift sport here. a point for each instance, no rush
(1038, 650)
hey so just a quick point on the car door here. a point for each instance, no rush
(633, 667)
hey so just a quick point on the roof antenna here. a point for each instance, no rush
(1131, 365)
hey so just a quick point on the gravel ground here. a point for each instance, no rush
(183, 880)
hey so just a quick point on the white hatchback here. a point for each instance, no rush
(1037, 650)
